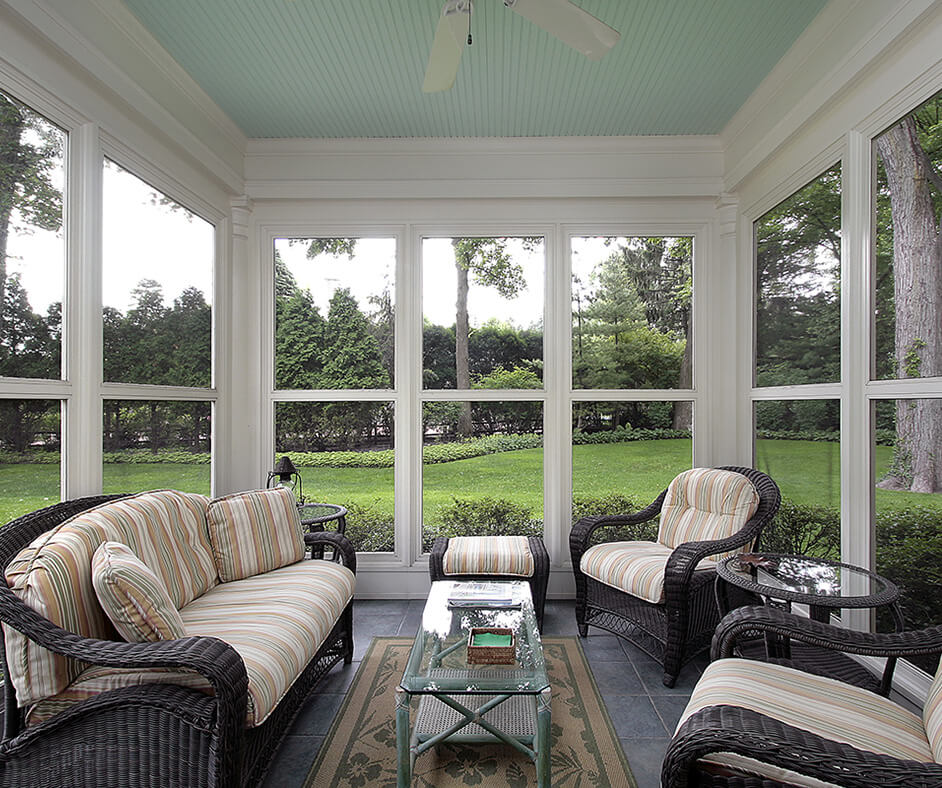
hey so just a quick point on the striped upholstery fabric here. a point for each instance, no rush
(826, 707)
(634, 567)
(275, 621)
(133, 597)
(95, 680)
(165, 529)
(932, 715)
(255, 532)
(488, 555)
(704, 504)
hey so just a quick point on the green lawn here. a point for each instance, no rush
(806, 471)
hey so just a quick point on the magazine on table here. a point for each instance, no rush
(476, 594)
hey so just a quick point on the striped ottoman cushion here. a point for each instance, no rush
(704, 504)
(825, 707)
(276, 622)
(488, 555)
(636, 568)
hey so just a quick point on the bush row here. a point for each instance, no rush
(881, 437)
(126, 456)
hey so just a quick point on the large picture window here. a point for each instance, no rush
(32, 246)
(798, 253)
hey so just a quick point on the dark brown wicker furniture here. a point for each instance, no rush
(537, 582)
(822, 585)
(155, 734)
(732, 729)
(677, 629)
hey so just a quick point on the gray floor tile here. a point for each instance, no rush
(634, 716)
(670, 707)
(616, 678)
(293, 762)
(317, 714)
(644, 757)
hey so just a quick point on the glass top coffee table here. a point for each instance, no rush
(475, 702)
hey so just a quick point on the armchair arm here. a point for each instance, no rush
(748, 733)
(344, 551)
(582, 531)
(746, 621)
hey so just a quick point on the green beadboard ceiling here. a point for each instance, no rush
(354, 68)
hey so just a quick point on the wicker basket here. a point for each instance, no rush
(491, 655)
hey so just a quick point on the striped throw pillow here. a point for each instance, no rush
(255, 532)
(704, 504)
(488, 555)
(133, 597)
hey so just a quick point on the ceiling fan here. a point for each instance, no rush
(561, 18)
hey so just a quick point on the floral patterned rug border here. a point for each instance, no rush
(360, 749)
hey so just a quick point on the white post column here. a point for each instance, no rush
(82, 343)
(240, 372)
(720, 365)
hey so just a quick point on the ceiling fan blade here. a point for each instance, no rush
(570, 24)
(450, 36)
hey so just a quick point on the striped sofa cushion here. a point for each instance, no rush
(275, 621)
(133, 597)
(932, 715)
(488, 555)
(704, 504)
(165, 529)
(825, 707)
(255, 532)
(636, 568)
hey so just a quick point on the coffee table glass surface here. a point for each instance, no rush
(442, 642)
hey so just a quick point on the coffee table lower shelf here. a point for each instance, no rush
(520, 720)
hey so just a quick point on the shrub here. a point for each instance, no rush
(370, 528)
(614, 503)
(482, 517)
(804, 530)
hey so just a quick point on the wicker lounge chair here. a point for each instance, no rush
(755, 724)
(658, 595)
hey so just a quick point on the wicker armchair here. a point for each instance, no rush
(151, 734)
(753, 724)
(677, 618)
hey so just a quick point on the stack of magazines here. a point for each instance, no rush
(482, 595)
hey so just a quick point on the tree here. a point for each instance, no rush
(30, 149)
(491, 264)
(911, 153)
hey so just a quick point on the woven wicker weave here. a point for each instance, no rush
(673, 631)
(733, 729)
(153, 735)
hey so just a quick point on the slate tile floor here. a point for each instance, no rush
(643, 711)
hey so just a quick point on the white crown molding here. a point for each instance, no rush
(833, 53)
(485, 168)
(106, 40)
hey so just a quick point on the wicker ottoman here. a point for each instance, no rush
(493, 558)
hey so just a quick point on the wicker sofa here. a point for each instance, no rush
(85, 707)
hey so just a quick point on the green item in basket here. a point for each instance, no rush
(490, 639)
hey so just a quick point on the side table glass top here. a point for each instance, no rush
(806, 579)
(442, 643)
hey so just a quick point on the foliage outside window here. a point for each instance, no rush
(156, 444)
(798, 444)
(344, 453)
(798, 312)
(908, 535)
(334, 313)
(30, 455)
(623, 455)
(32, 246)
(487, 483)
(157, 273)
(631, 314)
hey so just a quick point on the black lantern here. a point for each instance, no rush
(286, 475)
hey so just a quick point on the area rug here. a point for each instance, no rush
(360, 749)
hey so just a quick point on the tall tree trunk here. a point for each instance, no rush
(462, 334)
(917, 273)
(11, 168)
(683, 411)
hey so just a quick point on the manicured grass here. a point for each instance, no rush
(808, 472)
